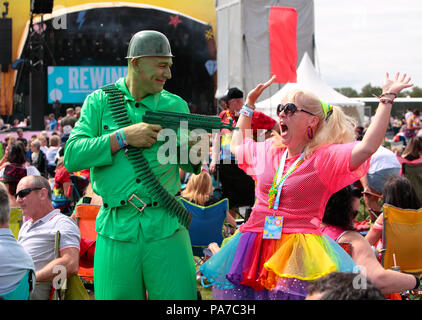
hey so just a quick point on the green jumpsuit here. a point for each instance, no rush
(135, 251)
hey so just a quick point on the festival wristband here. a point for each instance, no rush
(386, 101)
(246, 111)
(122, 135)
(119, 139)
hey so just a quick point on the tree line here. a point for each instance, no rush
(368, 91)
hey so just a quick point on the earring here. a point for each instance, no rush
(310, 133)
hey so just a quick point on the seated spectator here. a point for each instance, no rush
(343, 286)
(399, 137)
(11, 176)
(383, 165)
(37, 235)
(199, 190)
(65, 135)
(44, 142)
(68, 121)
(413, 150)
(20, 137)
(359, 133)
(16, 156)
(3, 126)
(399, 192)
(10, 139)
(38, 159)
(413, 124)
(62, 191)
(1, 149)
(51, 155)
(15, 261)
(337, 224)
(397, 124)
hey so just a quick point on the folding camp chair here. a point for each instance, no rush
(207, 224)
(15, 221)
(402, 238)
(24, 289)
(413, 172)
(71, 288)
(346, 246)
(79, 184)
(86, 214)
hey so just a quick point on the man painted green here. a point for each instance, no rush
(140, 246)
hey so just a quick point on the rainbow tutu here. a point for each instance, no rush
(249, 267)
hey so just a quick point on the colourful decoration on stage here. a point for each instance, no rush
(174, 20)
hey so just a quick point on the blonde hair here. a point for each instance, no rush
(60, 162)
(338, 128)
(54, 141)
(199, 188)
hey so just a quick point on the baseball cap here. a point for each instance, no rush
(232, 93)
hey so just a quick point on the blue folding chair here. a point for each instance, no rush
(207, 224)
(24, 289)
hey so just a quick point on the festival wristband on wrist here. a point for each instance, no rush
(122, 135)
(119, 137)
(389, 93)
(386, 101)
(247, 111)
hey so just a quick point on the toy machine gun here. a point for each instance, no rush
(194, 121)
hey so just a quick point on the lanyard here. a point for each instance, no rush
(278, 181)
(230, 117)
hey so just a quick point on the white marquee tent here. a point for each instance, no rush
(308, 79)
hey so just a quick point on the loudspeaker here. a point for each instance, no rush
(6, 43)
(42, 6)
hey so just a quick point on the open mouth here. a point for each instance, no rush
(283, 128)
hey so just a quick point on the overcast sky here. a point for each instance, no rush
(358, 41)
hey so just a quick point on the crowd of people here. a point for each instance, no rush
(302, 177)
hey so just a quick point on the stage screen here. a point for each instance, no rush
(87, 49)
(72, 84)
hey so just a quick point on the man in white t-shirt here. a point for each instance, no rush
(37, 235)
(383, 165)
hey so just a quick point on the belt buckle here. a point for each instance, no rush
(135, 196)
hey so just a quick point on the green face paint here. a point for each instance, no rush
(153, 73)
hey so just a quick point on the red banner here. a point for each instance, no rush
(283, 48)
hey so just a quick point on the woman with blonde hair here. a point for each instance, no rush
(199, 190)
(280, 250)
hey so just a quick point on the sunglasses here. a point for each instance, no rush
(24, 192)
(290, 108)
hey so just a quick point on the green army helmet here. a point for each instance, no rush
(149, 43)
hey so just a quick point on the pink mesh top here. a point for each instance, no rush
(305, 193)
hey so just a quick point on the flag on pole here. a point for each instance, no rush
(283, 47)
